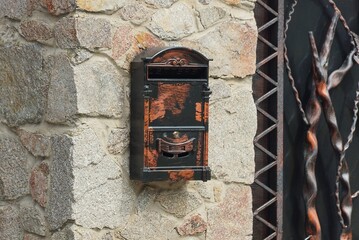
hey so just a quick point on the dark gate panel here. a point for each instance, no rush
(316, 16)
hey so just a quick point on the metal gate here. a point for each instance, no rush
(268, 95)
(300, 193)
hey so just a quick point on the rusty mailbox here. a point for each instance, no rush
(169, 115)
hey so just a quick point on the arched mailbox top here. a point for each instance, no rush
(175, 56)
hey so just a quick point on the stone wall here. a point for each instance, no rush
(64, 112)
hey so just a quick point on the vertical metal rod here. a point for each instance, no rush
(280, 110)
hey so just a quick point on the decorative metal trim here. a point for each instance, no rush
(272, 120)
(177, 62)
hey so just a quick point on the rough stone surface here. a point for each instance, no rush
(59, 7)
(238, 119)
(218, 190)
(88, 32)
(21, 72)
(62, 101)
(9, 223)
(205, 189)
(135, 13)
(89, 234)
(80, 56)
(33, 30)
(122, 41)
(192, 226)
(127, 44)
(93, 33)
(220, 89)
(59, 208)
(244, 4)
(107, 6)
(65, 33)
(29, 236)
(100, 89)
(8, 33)
(211, 15)
(93, 88)
(64, 234)
(163, 25)
(37, 144)
(233, 2)
(248, 5)
(161, 3)
(118, 140)
(13, 170)
(32, 220)
(146, 199)
(102, 197)
(238, 45)
(39, 183)
(179, 203)
(145, 40)
(235, 209)
(148, 223)
(75, 232)
(205, 2)
(15, 9)
(86, 185)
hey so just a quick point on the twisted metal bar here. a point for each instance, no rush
(287, 64)
(347, 201)
(321, 76)
(344, 22)
(345, 206)
(313, 112)
(336, 77)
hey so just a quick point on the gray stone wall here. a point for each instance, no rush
(64, 120)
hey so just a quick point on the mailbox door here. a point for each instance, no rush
(175, 147)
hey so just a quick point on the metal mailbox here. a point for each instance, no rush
(169, 115)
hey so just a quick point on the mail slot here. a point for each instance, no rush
(169, 115)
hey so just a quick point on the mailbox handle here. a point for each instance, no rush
(175, 148)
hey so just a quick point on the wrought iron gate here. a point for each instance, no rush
(282, 208)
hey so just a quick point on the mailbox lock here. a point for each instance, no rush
(176, 134)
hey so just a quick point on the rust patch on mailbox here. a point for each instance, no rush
(181, 175)
(151, 156)
(172, 55)
(181, 139)
(146, 119)
(205, 155)
(199, 149)
(171, 99)
(198, 112)
(205, 114)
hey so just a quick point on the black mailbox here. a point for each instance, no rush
(169, 115)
